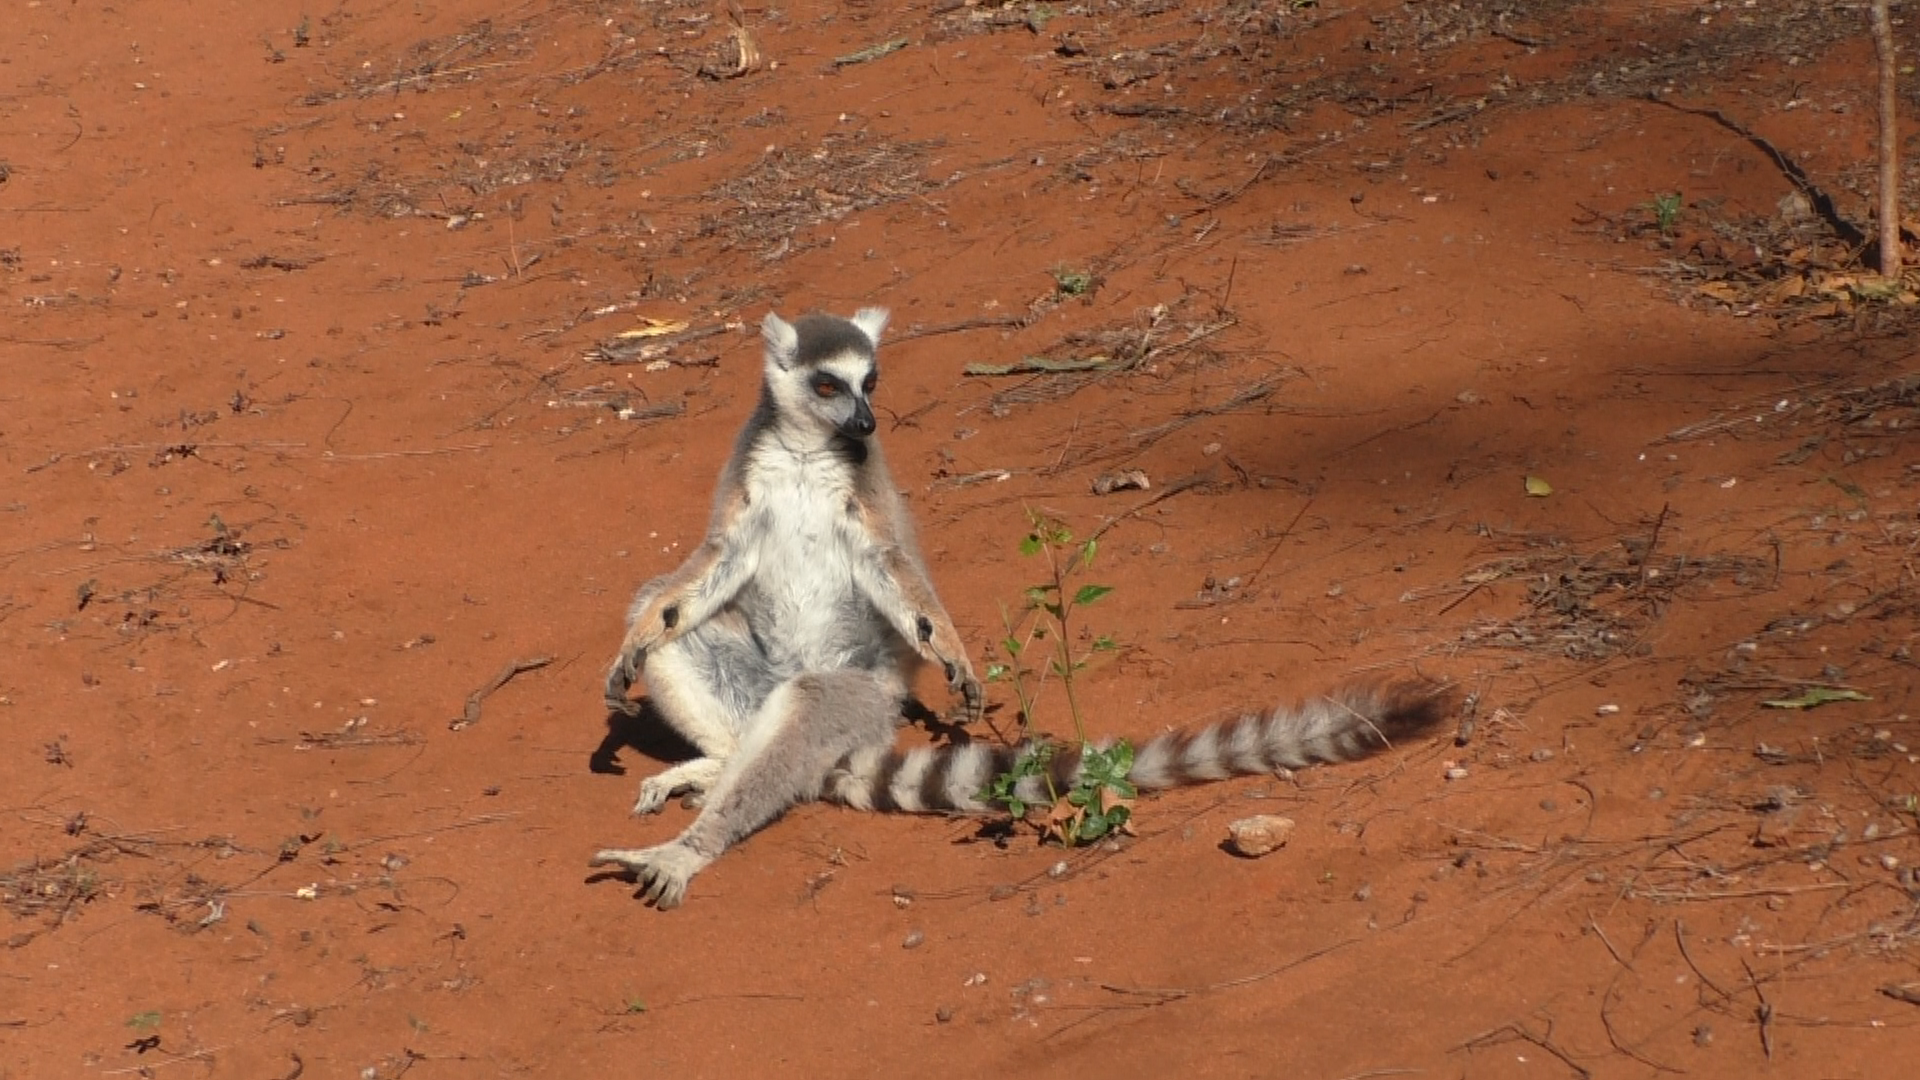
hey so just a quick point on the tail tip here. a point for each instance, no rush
(1408, 708)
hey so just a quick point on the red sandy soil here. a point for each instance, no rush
(304, 438)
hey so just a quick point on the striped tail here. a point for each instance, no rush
(1347, 725)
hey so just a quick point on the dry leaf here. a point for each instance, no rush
(1538, 488)
(654, 328)
(1787, 288)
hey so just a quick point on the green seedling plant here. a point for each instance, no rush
(1071, 282)
(1666, 211)
(1039, 645)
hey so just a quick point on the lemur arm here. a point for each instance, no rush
(898, 587)
(701, 586)
(689, 596)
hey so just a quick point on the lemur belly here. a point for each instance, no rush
(802, 603)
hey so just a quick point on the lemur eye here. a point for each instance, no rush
(871, 382)
(825, 388)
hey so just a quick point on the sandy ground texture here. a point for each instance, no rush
(356, 355)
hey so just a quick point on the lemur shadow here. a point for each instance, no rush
(645, 731)
(648, 733)
(939, 728)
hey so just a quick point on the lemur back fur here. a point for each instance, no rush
(785, 646)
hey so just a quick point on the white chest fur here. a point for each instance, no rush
(803, 599)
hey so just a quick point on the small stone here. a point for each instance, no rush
(1458, 772)
(1125, 480)
(913, 940)
(1542, 754)
(1703, 1036)
(1259, 835)
(943, 1014)
(1363, 894)
(1058, 870)
(1606, 710)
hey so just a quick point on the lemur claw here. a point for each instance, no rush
(972, 699)
(620, 680)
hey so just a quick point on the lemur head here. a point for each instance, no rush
(821, 368)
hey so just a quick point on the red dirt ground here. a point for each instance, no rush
(315, 416)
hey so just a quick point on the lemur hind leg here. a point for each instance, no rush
(708, 685)
(807, 725)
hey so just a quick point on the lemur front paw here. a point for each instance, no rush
(962, 683)
(626, 669)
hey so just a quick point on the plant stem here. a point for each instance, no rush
(1889, 142)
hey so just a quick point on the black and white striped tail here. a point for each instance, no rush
(1346, 725)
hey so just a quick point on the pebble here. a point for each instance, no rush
(1259, 835)
(913, 940)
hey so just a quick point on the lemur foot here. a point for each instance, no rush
(694, 776)
(663, 871)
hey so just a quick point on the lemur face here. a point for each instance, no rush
(823, 367)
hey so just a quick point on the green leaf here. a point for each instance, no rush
(1016, 807)
(1816, 696)
(1088, 550)
(1089, 593)
(1105, 643)
(1037, 594)
(996, 672)
(142, 1021)
(1538, 488)
(1012, 646)
(1031, 545)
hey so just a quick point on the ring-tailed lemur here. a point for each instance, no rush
(785, 646)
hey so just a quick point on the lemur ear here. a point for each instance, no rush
(783, 342)
(871, 320)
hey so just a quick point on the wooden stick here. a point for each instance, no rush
(1889, 143)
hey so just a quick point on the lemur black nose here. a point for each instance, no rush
(860, 424)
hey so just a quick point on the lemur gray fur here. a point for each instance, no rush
(785, 646)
